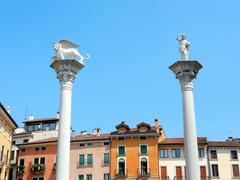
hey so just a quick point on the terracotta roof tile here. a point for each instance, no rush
(180, 141)
(223, 144)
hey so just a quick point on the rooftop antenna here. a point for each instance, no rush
(26, 113)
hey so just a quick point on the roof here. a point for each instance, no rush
(143, 124)
(8, 115)
(223, 144)
(180, 141)
(87, 137)
(133, 131)
(41, 120)
(122, 124)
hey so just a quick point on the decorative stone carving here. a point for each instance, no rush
(68, 50)
(184, 45)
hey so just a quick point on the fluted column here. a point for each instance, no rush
(66, 71)
(186, 72)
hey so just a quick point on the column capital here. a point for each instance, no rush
(66, 70)
(186, 71)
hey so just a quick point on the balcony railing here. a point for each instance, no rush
(20, 169)
(119, 174)
(38, 168)
(144, 173)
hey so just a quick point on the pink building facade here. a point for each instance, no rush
(90, 157)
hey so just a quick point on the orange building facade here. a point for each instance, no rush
(134, 152)
(37, 160)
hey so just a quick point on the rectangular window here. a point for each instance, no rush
(175, 153)
(45, 127)
(201, 152)
(81, 160)
(36, 160)
(12, 155)
(42, 160)
(106, 143)
(121, 150)
(120, 138)
(81, 177)
(21, 162)
(89, 177)
(89, 160)
(41, 178)
(143, 137)
(143, 149)
(163, 153)
(82, 144)
(36, 127)
(234, 155)
(52, 126)
(106, 177)
(215, 170)
(25, 141)
(30, 127)
(106, 159)
(235, 168)
(213, 154)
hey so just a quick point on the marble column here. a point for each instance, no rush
(186, 72)
(66, 71)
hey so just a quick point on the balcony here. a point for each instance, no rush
(121, 174)
(38, 168)
(143, 174)
(20, 169)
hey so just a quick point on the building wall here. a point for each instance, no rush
(171, 163)
(224, 162)
(133, 156)
(30, 153)
(5, 141)
(97, 149)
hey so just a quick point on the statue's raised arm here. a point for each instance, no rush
(184, 45)
(68, 50)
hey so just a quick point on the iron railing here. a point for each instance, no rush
(121, 174)
(39, 168)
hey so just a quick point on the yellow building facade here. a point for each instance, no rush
(7, 125)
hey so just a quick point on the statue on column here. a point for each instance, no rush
(184, 45)
(68, 50)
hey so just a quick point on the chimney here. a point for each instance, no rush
(97, 131)
(8, 109)
(84, 132)
(58, 115)
(30, 117)
(156, 125)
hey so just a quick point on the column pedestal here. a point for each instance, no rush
(66, 71)
(186, 71)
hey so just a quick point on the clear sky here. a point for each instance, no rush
(132, 44)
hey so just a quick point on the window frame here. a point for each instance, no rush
(121, 155)
(174, 155)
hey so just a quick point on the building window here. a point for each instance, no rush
(143, 137)
(30, 127)
(81, 177)
(43, 148)
(106, 177)
(201, 152)
(143, 149)
(121, 150)
(38, 178)
(36, 127)
(215, 170)
(106, 159)
(52, 126)
(234, 155)
(121, 167)
(235, 168)
(121, 138)
(89, 160)
(12, 155)
(37, 149)
(25, 141)
(81, 160)
(175, 153)
(89, 144)
(39, 160)
(21, 162)
(13, 142)
(82, 144)
(106, 143)
(89, 177)
(213, 154)
(163, 153)
(144, 166)
(23, 150)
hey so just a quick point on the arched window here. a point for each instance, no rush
(121, 166)
(144, 166)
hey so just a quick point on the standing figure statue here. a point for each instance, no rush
(67, 50)
(184, 45)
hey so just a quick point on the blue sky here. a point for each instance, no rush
(132, 44)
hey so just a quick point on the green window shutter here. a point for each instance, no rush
(121, 150)
(81, 159)
(89, 177)
(80, 177)
(89, 160)
(106, 158)
(106, 177)
(143, 149)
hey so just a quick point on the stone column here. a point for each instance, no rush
(66, 73)
(186, 71)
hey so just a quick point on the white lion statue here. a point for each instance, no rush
(67, 50)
